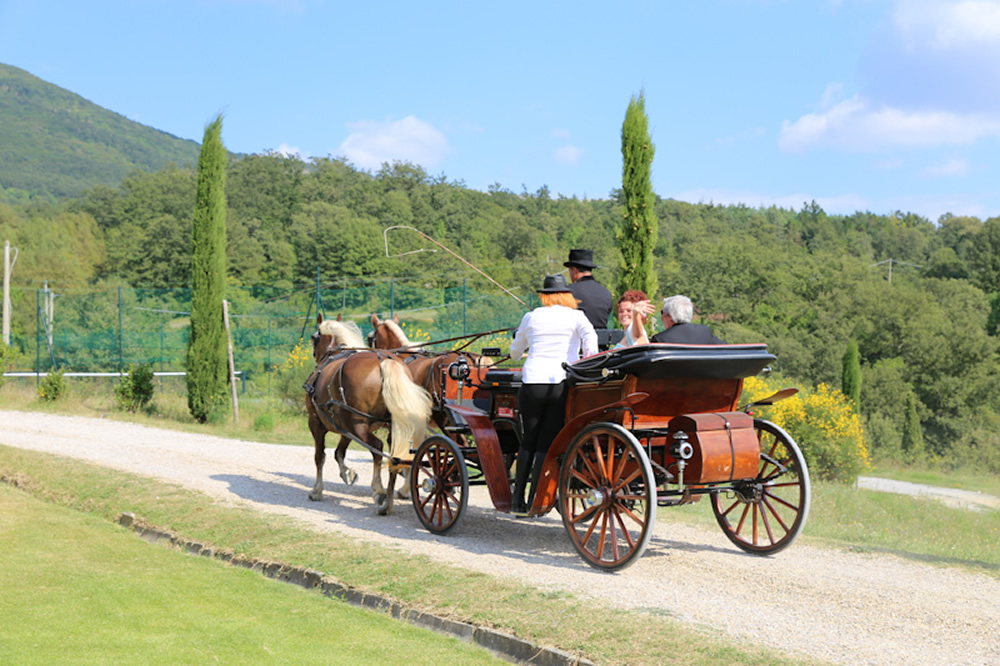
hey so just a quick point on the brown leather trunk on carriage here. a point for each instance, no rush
(725, 446)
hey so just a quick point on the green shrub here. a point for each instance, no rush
(6, 359)
(52, 386)
(264, 422)
(135, 389)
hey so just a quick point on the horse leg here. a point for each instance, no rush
(385, 506)
(319, 441)
(347, 475)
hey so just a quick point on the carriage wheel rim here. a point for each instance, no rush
(771, 519)
(439, 484)
(608, 497)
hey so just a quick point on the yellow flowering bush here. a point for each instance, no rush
(415, 334)
(292, 373)
(823, 423)
(52, 386)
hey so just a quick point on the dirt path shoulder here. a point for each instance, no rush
(845, 607)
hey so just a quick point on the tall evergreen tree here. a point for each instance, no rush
(850, 377)
(637, 233)
(207, 361)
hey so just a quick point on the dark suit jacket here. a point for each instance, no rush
(595, 300)
(687, 334)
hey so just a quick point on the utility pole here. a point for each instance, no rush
(894, 261)
(8, 267)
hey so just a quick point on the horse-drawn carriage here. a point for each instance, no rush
(646, 426)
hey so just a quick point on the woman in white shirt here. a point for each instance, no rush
(553, 334)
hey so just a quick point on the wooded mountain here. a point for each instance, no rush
(55, 144)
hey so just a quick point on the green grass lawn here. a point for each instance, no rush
(546, 618)
(841, 517)
(80, 590)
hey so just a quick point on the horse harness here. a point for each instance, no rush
(323, 410)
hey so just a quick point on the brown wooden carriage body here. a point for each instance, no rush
(629, 415)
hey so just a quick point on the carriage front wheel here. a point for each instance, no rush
(607, 496)
(439, 484)
(765, 514)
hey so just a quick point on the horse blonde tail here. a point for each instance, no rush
(409, 405)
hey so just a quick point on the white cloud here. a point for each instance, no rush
(856, 124)
(949, 168)
(561, 133)
(568, 154)
(372, 143)
(946, 25)
(290, 151)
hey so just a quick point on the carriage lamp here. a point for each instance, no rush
(681, 449)
(459, 370)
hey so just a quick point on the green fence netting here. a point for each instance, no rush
(107, 330)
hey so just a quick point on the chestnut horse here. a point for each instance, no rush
(354, 392)
(426, 368)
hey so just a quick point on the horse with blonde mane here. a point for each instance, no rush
(425, 367)
(354, 391)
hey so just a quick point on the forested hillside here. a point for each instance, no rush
(805, 282)
(54, 143)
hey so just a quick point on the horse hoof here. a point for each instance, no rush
(316, 497)
(382, 503)
(403, 493)
(352, 477)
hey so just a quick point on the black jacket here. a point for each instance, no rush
(595, 300)
(688, 334)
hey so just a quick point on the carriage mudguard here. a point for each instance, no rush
(490, 454)
(725, 446)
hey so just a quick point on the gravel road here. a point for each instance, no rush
(836, 605)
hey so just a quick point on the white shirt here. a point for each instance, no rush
(554, 335)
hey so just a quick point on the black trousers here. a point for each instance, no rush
(541, 408)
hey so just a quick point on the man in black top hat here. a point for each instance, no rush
(595, 301)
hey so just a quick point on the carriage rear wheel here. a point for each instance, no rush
(439, 484)
(607, 496)
(765, 514)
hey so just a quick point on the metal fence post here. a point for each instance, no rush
(38, 343)
(120, 351)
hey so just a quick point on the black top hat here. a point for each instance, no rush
(581, 258)
(553, 284)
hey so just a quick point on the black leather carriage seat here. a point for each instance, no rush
(657, 361)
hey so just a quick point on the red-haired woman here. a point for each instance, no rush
(552, 334)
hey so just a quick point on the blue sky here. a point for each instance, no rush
(878, 105)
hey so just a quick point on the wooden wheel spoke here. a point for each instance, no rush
(612, 534)
(622, 509)
(773, 511)
(743, 517)
(631, 477)
(602, 471)
(780, 500)
(624, 530)
(604, 534)
(577, 517)
(590, 482)
(760, 509)
(593, 524)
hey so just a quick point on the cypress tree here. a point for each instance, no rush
(851, 375)
(913, 436)
(637, 233)
(207, 361)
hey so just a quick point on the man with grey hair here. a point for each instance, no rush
(676, 315)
